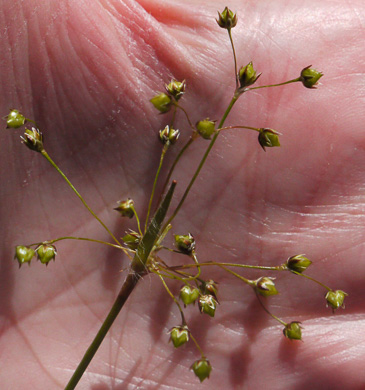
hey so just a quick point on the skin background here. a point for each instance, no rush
(85, 71)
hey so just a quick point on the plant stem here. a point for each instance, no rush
(268, 312)
(234, 58)
(212, 142)
(312, 279)
(186, 114)
(182, 151)
(276, 268)
(76, 238)
(137, 271)
(164, 150)
(48, 158)
(239, 127)
(126, 290)
(274, 85)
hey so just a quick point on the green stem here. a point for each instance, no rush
(276, 268)
(197, 346)
(212, 142)
(76, 238)
(182, 151)
(312, 279)
(234, 58)
(239, 127)
(274, 85)
(174, 299)
(268, 312)
(164, 150)
(137, 219)
(48, 158)
(186, 114)
(138, 270)
(247, 281)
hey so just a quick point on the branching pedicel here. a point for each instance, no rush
(146, 246)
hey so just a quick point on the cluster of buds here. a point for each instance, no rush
(45, 253)
(335, 299)
(227, 19)
(268, 138)
(310, 77)
(185, 243)
(179, 335)
(293, 331)
(168, 135)
(265, 286)
(163, 101)
(202, 368)
(189, 294)
(33, 139)
(125, 208)
(298, 263)
(15, 119)
(132, 240)
(247, 76)
(205, 128)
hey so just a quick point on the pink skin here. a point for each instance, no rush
(85, 73)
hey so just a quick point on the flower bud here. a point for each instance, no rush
(247, 75)
(202, 368)
(335, 299)
(265, 286)
(309, 77)
(33, 139)
(227, 19)
(132, 240)
(189, 294)
(46, 253)
(207, 304)
(185, 244)
(298, 263)
(162, 102)
(168, 134)
(293, 331)
(179, 335)
(23, 254)
(210, 287)
(176, 89)
(126, 208)
(205, 128)
(14, 119)
(268, 138)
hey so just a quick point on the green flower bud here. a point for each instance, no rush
(179, 335)
(206, 128)
(126, 208)
(207, 304)
(210, 287)
(176, 89)
(247, 75)
(132, 240)
(293, 331)
(33, 139)
(162, 102)
(202, 368)
(265, 286)
(46, 253)
(15, 119)
(185, 244)
(268, 138)
(168, 134)
(309, 77)
(298, 263)
(23, 254)
(227, 19)
(335, 299)
(189, 294)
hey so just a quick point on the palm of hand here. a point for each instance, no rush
(91, 98)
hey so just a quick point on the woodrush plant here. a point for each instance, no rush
(146, 246)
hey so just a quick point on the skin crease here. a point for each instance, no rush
(85, 71)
